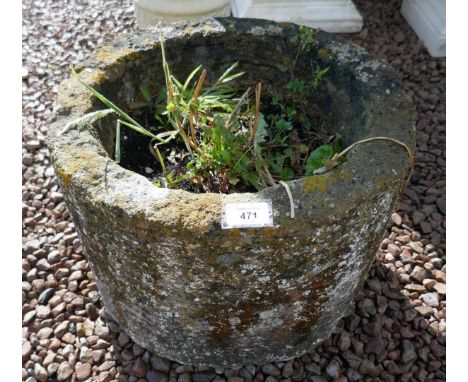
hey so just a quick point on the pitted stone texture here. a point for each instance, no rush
(178, 284)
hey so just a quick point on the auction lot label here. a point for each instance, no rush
(253, 214)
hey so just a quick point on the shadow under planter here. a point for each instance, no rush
(176, 282)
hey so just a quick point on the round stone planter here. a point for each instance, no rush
(150, 12)
(176, 282)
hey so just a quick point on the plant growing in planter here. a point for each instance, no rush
(217, 139)
(175, 280)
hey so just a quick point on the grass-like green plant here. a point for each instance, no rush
(225, 136)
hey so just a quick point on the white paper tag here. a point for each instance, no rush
(253, 214)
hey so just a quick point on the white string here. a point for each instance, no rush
(291, 200)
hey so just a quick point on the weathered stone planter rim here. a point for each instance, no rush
(360, 177)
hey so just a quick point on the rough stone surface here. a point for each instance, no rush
(233, 302)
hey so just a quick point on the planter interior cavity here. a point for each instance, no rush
(135, 155)
(261, 60)
(176, 282)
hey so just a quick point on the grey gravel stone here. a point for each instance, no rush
(123, 339)
(61, 329)
(408, 355)
(138, 368)
(43, 311)
(45, 295)
(417, 247)
(318, 378)
(431, 299)
(29, 316)
(375, 345)
(270, 369)
(353, 375)
(103, 332)
(185, 377)
(160, 364)
(53, 257)
(91, 311)
(440, 288)
(44, 333)
(86, 354)
(203, 376)
(367, 367)
(396, 219)
(429, 283)
(352, 359)
(313, 368)
(64, 371)
(40, 373)
(33, 144)
(83, 371)
(287, 370)
(31, 246)
(418, 273)
(157, 376)
(184, 369)
(333, 369)
(235, 379)
(344, 342)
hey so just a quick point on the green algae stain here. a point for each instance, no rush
(324, 182)
(269, 231)
(316, 183)
(108, 54)
(64, 176)
(82, 159)
(324, 53)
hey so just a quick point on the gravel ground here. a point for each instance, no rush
(397, 330)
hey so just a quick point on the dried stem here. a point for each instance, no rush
(258, 90)
(268, 176)
(192, 116)
(155, 151)
(201, 79)
(236, 109)
(187, 139)
(192, 127)
(336, 157)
